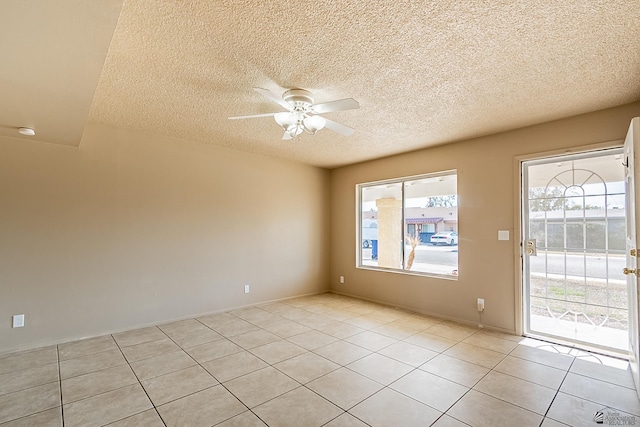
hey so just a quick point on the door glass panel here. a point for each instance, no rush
(575, 236)
(596, 236)
(555, 236)
(574, 287)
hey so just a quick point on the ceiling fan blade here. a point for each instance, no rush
(339, 105)
(273, 97)
(252, 116)
(337, 127)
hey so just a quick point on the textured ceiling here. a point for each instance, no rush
(424, 72)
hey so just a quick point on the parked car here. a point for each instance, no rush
(445, 238)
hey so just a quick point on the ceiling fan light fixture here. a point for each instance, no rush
(296, 129)
(312, 124)
(302, 114)
(291, 131)
(284, 119)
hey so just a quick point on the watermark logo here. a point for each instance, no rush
(610, 417)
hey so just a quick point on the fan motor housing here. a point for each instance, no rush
(298, 97)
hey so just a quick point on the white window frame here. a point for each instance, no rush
(359, 216)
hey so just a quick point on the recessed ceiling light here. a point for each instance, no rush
(26, 131)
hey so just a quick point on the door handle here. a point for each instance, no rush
(629, 271)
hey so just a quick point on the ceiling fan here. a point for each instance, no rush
(302, 114)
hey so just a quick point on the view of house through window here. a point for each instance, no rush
(410, 224)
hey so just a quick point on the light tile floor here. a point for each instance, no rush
(323, 360)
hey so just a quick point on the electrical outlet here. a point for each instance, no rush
(341, 279)
(18, 320)
(246, 289)
(480, 305)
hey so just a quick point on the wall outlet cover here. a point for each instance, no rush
(246, 289)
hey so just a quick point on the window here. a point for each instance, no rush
(409, 225)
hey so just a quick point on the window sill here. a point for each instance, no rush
(408, 272)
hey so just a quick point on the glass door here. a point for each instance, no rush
(574, 235)
(630, 148)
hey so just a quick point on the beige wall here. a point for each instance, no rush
(131, 229)
(487, 185)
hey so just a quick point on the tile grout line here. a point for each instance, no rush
(31, 386)
(478, 391)
(568, 371)
(593, 401)
(308, 351)
(397, 340)
(604, 381)
(304, 385)
(558, 390)
(60, 384)
(213, 376)
(414, 368)
(58, 381)
(91, 372)
(139, 382)
(531, 382)
(418, 368)
(445, 412)
(300, 385)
